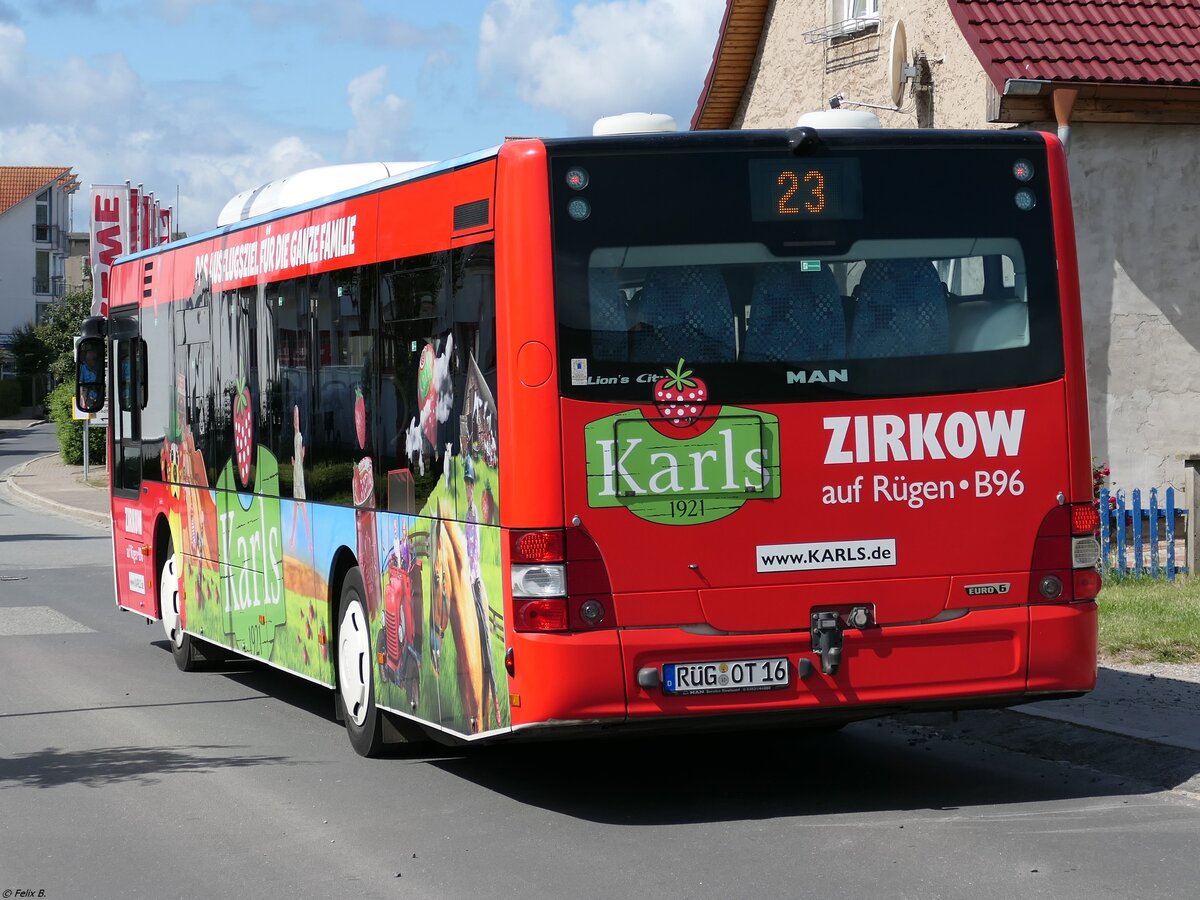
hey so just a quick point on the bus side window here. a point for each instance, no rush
(476, 445)
(415, 338)
(342, 430)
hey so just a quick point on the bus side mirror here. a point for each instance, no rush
(89, 375)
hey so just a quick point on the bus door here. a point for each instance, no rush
(127, 355)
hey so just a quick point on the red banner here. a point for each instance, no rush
(111, 234)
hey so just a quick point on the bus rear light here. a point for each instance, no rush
(1087, 584)
(545, 614)
(1085, 552)
(537, 546)
(591, 613)
(539, 581)
(1050, 587)
(565, 569)
(1085, 518)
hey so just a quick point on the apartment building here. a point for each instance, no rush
(35, 221)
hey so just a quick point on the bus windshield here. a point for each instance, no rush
(922, 272)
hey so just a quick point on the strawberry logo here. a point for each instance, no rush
(360, 417)
(680, 397)
(243, 433)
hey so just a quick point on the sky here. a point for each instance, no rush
(201, 99)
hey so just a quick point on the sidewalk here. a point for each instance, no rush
(1157, 702)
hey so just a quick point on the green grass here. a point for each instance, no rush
(1150, 620)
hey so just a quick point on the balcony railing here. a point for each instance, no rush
(52, 285)
(841, 29)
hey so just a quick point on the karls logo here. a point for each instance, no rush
(687, 465)
(884, 438)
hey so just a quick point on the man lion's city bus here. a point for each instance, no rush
(585, 435)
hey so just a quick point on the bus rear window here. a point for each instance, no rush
(737, 303)
(915, 288)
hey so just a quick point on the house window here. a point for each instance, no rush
(41, 272)
(854, 15)
(41, 221)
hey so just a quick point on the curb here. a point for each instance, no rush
(9, 478)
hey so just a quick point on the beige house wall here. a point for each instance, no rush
(1136, 193)
(794, 76)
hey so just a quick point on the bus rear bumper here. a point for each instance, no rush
(983, 658)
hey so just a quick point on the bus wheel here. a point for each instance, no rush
(356, 689)
(183, 647)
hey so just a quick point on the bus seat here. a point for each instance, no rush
(609, 324)
(686, 313)
(795, 315)
(986, 325)
(900, 310)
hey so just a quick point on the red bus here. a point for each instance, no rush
(669, 431)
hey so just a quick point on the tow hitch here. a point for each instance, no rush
(827, 628)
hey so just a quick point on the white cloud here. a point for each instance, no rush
(380, 119)
(12, 52)
(110, 127)
(615, 56)
(509, 26)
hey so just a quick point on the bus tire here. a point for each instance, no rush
(355, 669)
(183, 647)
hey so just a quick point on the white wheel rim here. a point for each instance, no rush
(168, 601)
(354, 679)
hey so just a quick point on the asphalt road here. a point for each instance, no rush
(122, 777)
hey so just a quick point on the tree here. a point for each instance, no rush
(60, 326)
(30, 356)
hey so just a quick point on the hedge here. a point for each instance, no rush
(70, 431)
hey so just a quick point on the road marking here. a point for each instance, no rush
(24, 620)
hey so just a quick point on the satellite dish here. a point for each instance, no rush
(897, 59)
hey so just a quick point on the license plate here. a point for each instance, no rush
(728, 676)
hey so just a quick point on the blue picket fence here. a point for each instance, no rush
(1138, 540)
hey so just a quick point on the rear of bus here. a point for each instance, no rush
(822, 429)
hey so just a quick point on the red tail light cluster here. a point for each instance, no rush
(559, 582)
(1065, 554)
(537, 546)
(548, 614)
(1085, 518)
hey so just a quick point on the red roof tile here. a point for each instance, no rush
(19, 182)
(1115, 41)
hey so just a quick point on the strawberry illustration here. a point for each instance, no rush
(243, 432)
(360, 416)
(680, 397)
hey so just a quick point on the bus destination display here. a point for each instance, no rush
(799, 190)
